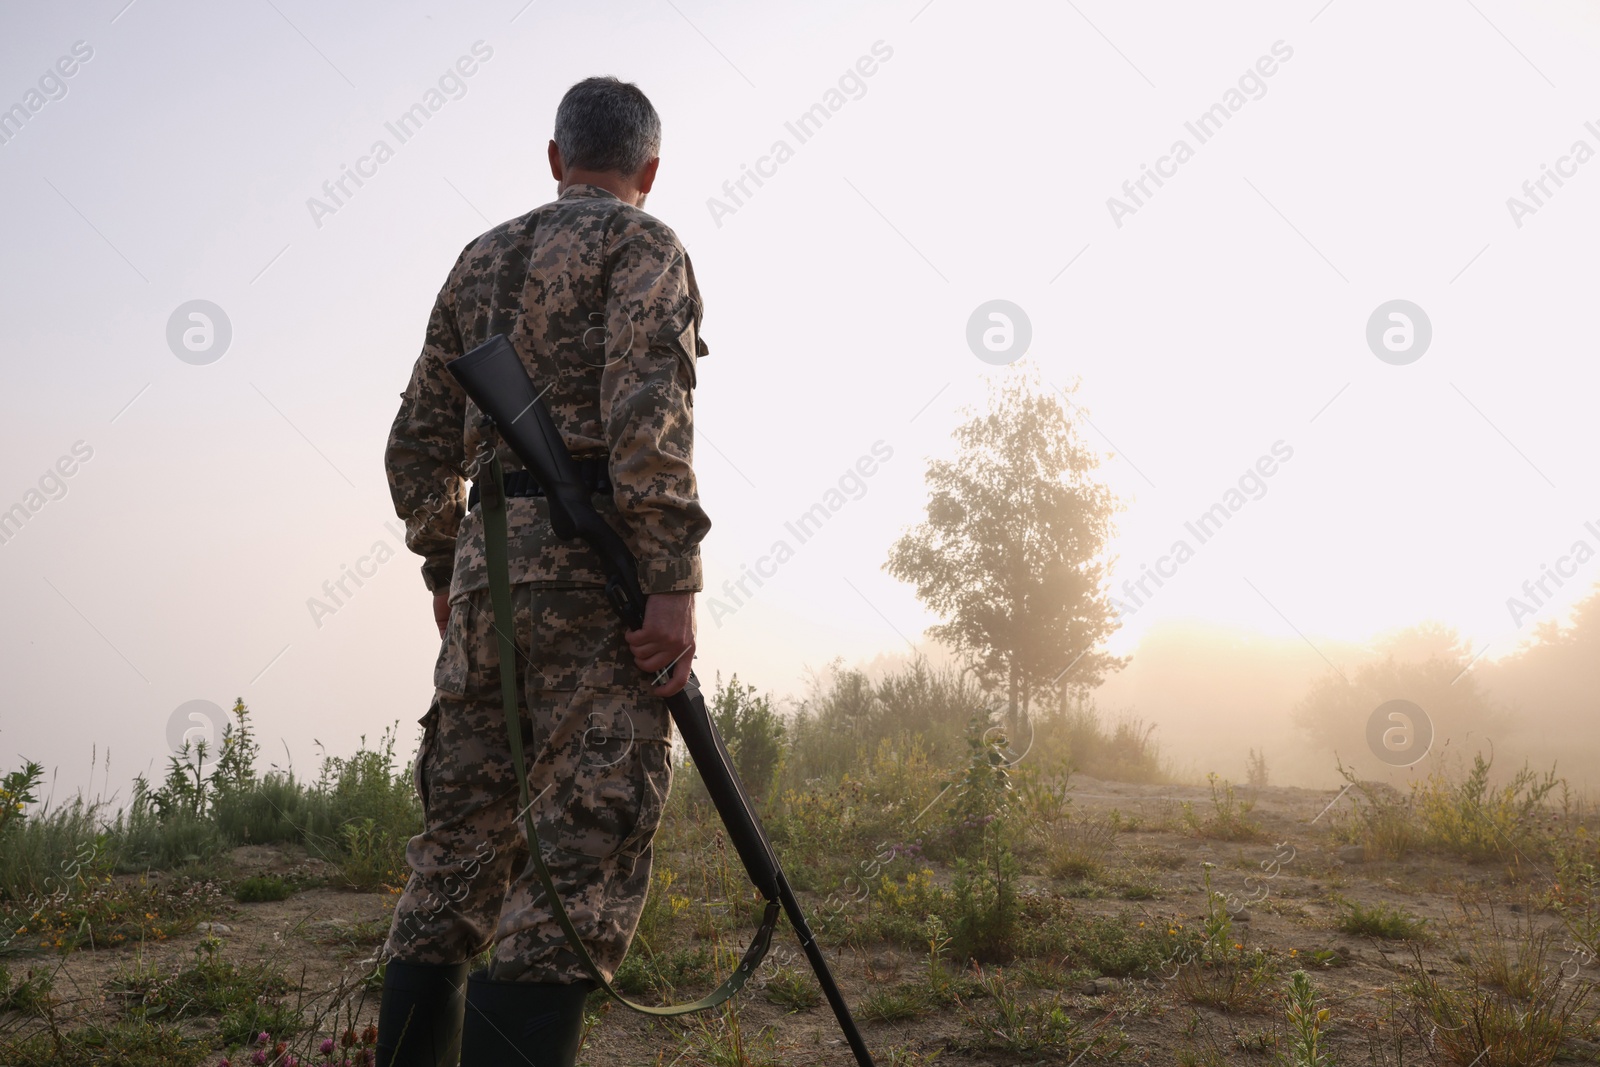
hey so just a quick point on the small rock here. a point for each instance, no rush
(1240, 916)
(1353, 854)
(1099, 987)
(214, 929)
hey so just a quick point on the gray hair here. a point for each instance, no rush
(605, 124)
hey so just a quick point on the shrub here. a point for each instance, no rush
(1470, 820)
(846, 715)
(1256, 769)
(1074, 733)
(983, 909)
(1462, 817)
(1511, 1007)
(17, 792)
(753, 732)
(1229, 817)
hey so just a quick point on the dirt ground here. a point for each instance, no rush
(323, 937)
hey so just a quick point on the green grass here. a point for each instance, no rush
(246, 1000)
(241, 1024)
(661, 973)
(793, 990)
(1043, 1026)
(1382, 921)
(722, 1040)
(1228, 978)
(262, 888)
(28, 994)
(125, 1044)
(109, 913)
(211, 986)
(1114, 946)
(895, 1004)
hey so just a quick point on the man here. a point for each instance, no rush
(599, 300)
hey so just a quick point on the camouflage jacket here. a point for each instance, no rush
(599, 300)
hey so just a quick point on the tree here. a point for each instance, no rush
(1427, 665)
(1550, 686)
(1011, 552)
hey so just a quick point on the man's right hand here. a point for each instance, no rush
(666, 640)
(441, 611)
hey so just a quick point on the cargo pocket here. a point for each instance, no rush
(450, 669)
(430, 738)
(610, 805)
(686, 346)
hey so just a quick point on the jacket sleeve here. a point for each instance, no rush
(647, 404)
(425, 458)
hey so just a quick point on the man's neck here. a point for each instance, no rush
(618, 186)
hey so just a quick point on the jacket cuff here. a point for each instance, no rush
(674, 574)
(437, 572)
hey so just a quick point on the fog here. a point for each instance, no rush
(184, 506)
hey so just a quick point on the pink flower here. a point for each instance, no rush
(326, 1046)
(263, 1038)
(259, 1058)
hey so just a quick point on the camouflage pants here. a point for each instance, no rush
(597, 745)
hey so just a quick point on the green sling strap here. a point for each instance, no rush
(493, 505)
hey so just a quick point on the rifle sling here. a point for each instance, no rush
(504, 622)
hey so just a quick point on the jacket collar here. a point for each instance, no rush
(582, 189)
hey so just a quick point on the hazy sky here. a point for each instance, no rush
(1210, 318)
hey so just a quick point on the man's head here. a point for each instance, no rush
(607, 134)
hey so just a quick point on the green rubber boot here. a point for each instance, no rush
(536, 1024)
(419, 1018)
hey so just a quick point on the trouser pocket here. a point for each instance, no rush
(609, 791)
(430, 738)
